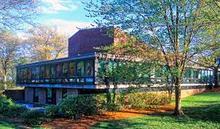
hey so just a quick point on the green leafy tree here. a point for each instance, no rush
(171, 26)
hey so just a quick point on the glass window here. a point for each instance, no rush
(89, 68)
(25, 73)
(64, 92)
(29, 73)
(187, 73)
(58, 70)
(42, 71)
(65, 70)
(47, 71)
(52, 71)
(37, 72)
(195, 73)
(35, 94)
(80, 68)
(72, 69)
(33, 71)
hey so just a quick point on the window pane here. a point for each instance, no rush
(89, 68)
(52, 71)
(72, 69)
(80, 68)
(42, 71)
(47, 71)
(33, 71)
(58, 70)
(65, 70)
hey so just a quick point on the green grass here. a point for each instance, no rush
(201, 112)
(6, 125)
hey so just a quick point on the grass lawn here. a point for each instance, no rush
(201, 112)
(6, 125)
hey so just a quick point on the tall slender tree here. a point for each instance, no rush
(9, 46)
(171, 26)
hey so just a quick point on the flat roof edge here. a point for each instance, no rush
(77, 57)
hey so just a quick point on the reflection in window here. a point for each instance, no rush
(72, 69)
(47, 71)
(42, 70)
(58, 70)
(65, 70)
(33, 71)
(89, 68)
(80, 68)
(52, 71)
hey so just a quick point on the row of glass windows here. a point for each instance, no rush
(57, 73)
(191, 75)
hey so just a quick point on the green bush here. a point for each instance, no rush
(52, 111)
(9, 108)
(112, 107)
(32, 117)
(76, 106)
(5, 104)
(143, 100)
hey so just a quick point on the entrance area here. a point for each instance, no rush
(51, 96)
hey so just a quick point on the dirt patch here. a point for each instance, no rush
(214, 90)
(87, 122)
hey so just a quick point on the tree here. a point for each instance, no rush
(9, 46)
(14, 13)
(211, 50)
(170, 26)
(46, 43)
(120, 70)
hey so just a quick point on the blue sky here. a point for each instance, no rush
(67, 15)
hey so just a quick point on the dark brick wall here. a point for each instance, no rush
(84, 41)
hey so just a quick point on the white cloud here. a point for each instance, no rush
(68, 27)
(54, 6)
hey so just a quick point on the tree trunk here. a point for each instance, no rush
(178, 110)
(5, 82)
(215, 77)
(114, 93)
(108, 94)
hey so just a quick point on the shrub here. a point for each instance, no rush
(76, 106)
(5, 104)
(143, 100)
(15, 111)
(33, 117)
(52, 111)
(9, 108)
(112, 107)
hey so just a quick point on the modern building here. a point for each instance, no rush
(47, 82)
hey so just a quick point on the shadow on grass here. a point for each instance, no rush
(209, 112)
